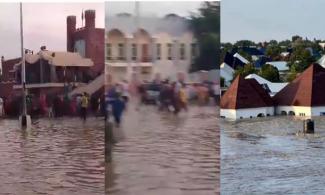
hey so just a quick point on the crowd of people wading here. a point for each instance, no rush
(56, 105)
(168, 96)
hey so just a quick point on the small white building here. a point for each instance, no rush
(321, 61)
(305, 95)
(273, 88)
(226, 72)
(245, 98)
(282, 66)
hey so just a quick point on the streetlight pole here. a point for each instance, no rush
(24, 118)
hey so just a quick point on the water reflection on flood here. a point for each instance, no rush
(266, 156)
(159, 153)
(59, 156)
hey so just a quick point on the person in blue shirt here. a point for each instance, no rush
(118, 106)
(115, 105)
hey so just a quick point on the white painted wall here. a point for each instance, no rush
(296, 109)
(227, 73)
(318, 111)
(167, 68)
(301, 110)
(246, 113)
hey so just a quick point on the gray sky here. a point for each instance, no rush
(44, 24)
(157, 8)
(261, 20)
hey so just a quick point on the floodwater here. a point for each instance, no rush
(60, 156)
(160, 153)
(266, 156)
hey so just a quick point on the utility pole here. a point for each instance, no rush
(24, 118)
(137, 72)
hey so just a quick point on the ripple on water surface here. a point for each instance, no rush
(160, 153)
(59, 156)
(265, 156)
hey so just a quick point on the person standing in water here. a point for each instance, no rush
(84, 106)
(118, 106)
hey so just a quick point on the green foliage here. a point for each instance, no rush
(296, 38)
(285, 43)
(270, 73)
(206, 28)
(245, 55)
(244, 43)
(222, 82)
(244, 71)
(273, 51)
(291, 76)
(208, 58)
(300, 58)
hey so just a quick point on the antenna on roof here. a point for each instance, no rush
(82, 18)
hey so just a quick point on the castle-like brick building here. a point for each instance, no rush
(88, 41)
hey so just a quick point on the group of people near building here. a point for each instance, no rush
(166, 95)
(56, 105)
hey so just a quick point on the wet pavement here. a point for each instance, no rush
(160, 153)
(58, 156)
(266, 156)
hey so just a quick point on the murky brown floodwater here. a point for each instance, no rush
(159, 153)
(265, 156)
(59, 156)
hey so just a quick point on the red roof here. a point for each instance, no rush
(308, 89)
(245, 93)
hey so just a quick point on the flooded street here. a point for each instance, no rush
(59, 156)
(265, 156)
(160, 153)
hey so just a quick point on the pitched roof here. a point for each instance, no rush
(280, 65)
(233, 61)
(273, 87)
(59, 58)
(252, 51)
(321, 61)
(306, 90)
(245, 93)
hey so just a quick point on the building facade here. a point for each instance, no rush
(304, 96)
(148, 45)
(88, 41)
(246, 98)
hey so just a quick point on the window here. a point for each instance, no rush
(193, 50)
(134, 52)
(108, 51)
(158, 51)
(182, 51)
(169, 51)
(121, 51)
(302, 114)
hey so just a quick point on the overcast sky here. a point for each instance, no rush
(261, 20)
(44, 24)
(157, 8)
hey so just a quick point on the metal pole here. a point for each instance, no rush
(23, 72)
(137, 72)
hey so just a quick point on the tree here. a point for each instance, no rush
(291, 76)
(245, 43)
(273, 51)
(206, 28)
(270, 73)
(245, 55)
(208, 58)
(244, 71)
(300, 59)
